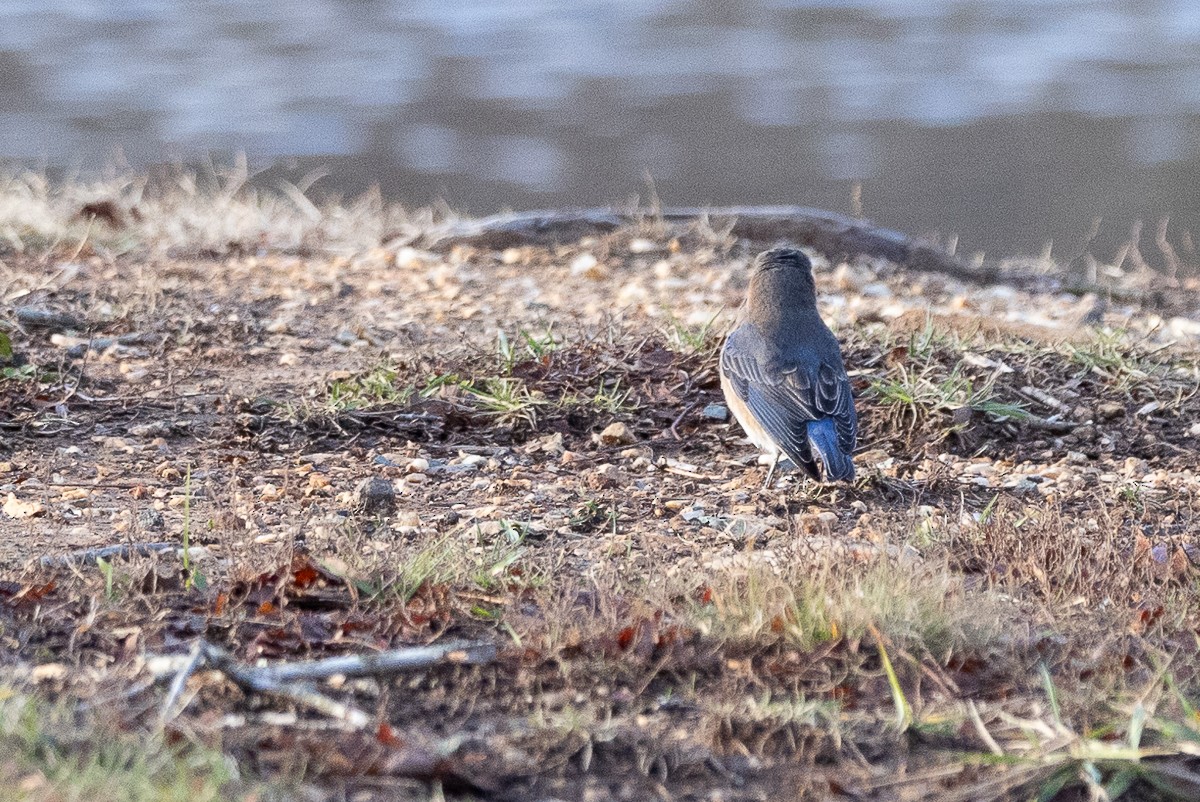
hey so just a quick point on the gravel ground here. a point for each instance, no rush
(368, 447)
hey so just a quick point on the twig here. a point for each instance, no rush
(1042, 397)
(293, 680)
(679, 418)
(179, 682)
(104, 485)
(82, 242)
(34, 318)
(1045, 424)
(124, 550)
(981, 730)
(380, 664)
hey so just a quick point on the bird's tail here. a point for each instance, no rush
(822, 438)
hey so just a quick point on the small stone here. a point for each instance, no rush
(1136, 467)
(584, 264)
(1024, 487)
(151, 520)
(1194, 430)
(616, 434)
(604, 477)
(375, 496)
(346, 337)
(550, 444)
(716, 412)
(809, 523)
(418, 465)
(156, 428)
(1146, 409)
(33, 318)
(1109, 410)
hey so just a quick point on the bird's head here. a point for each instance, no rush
(783, 274)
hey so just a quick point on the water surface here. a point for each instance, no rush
(1009, 123)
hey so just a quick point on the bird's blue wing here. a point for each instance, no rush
(778, 402)
(785, 397)
(833, 398)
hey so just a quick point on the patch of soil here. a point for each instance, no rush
(538, 480)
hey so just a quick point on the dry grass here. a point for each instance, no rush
(52, 753)
(184, 213)
(988, 608)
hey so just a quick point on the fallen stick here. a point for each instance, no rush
(33, 318)
(1042, 397)
(1047, 425)
(195, 658)
(123, 551)
(295, 680)
(832, 234)
(378, 664)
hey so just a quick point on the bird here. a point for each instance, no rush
(782, 371)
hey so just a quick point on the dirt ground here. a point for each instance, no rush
(400, 445)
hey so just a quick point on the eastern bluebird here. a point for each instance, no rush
(782, 371)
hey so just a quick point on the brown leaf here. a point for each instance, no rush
(1179, 565)
(31, 593)
(305, 575)
(897, 356)
(625, 637)
(387, 736)
(1141, 548)
(15, 508)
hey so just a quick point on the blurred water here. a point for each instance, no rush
(1008, 122)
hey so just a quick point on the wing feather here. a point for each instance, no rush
(785, 398)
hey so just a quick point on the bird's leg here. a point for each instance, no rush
(771, 470)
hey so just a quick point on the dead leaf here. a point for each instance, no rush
(15, 508)
(981, 361)
(897, 356)
(1179, 564)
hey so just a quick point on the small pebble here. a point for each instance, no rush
(716, 412)
(151, 520)
(616, 434)
(375, 496)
